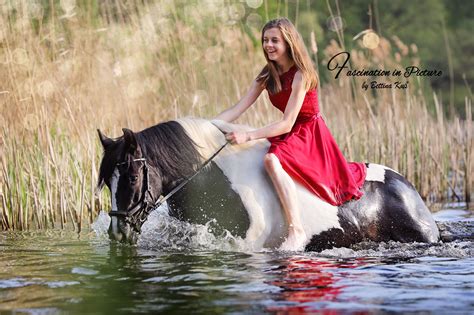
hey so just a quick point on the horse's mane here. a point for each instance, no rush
(166, 146)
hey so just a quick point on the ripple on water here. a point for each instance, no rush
(14, 283)
(84, 271)
(394, 250)
(179, 268)
(22, 282)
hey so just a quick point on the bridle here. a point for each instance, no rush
(139, 212)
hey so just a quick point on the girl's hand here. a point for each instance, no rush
(237, 137)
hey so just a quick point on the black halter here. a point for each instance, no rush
(139, 212)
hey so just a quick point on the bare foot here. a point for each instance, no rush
(296, 240)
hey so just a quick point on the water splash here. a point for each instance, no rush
(397, 250)
(101, 225)
(164, 232)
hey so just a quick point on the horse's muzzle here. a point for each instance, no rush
(121, 231)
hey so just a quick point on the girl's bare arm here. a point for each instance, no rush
(244, 103)
(289, 117)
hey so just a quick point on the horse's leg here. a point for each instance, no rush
(286, 191)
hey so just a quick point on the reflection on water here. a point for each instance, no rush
(54, 271)
(306, 280)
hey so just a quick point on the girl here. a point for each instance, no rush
(302, 148)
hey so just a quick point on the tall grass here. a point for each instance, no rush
(133, 64)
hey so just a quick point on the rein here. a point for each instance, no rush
(142, 208)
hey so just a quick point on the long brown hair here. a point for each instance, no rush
(297, 52)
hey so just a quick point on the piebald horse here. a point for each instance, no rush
(235, 191)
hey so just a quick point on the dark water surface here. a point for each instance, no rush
(193, 272)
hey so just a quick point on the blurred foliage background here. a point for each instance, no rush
(442, 30)
(68, 67)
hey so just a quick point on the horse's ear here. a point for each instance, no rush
(130, 140)
(104, 140)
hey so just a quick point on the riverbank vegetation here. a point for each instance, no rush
(73, 67)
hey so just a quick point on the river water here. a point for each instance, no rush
(178, 268)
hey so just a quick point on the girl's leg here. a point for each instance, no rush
(286, 190)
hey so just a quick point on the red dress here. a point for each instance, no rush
(309, 153)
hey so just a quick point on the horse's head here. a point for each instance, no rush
(125, 171)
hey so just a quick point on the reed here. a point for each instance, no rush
(136, 64)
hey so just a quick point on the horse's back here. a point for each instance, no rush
(392, 209)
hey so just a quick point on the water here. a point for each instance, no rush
(178, 268)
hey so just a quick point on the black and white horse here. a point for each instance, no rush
(235, 191)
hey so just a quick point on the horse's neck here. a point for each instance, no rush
(209, 136)
(205, 135)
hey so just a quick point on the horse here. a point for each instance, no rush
(235, 191)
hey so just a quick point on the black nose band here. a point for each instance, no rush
(138, 213)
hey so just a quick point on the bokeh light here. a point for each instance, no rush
(68, 6)
(254, 4)
(135, 89)
(335, 23)
(227, 35)
(213, 54)
(371, 40)
(45, 88)
(129, 65)
(254, 20)
(234, 13)
(20, 56)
